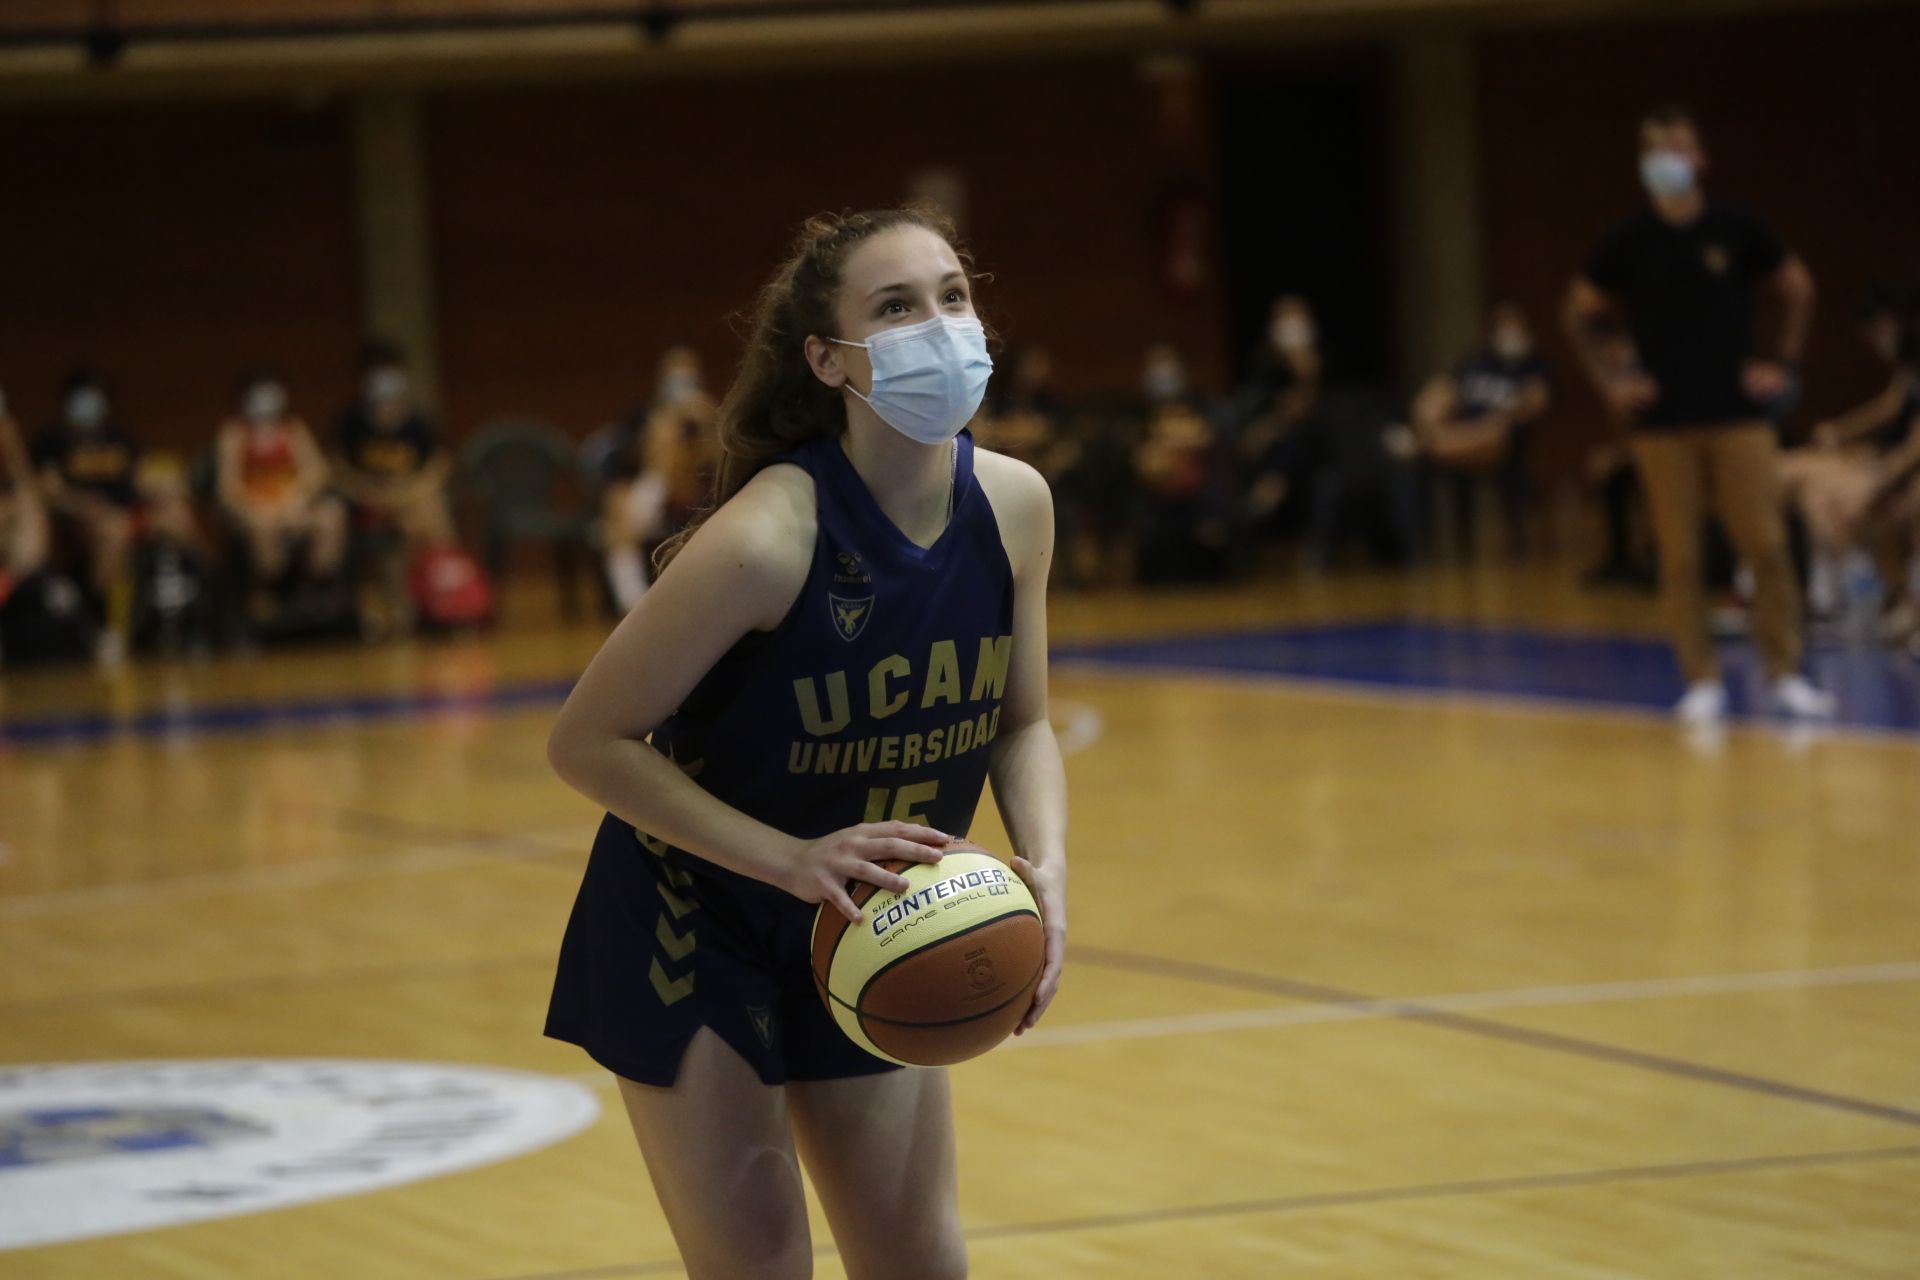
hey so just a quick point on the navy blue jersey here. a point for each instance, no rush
(102, 462)
(878, 695)
(1487, 383)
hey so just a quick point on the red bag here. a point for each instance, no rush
(449, 588)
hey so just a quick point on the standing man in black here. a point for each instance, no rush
(1683, 272)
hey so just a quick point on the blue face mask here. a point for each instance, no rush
(928, 378)
(1666, 174)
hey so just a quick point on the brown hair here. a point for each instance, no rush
(776, 403)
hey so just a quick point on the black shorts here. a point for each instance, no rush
(654, 952)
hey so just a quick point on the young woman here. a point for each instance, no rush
(866, 580)
(661, 473)
(87, 466)
(273, 484)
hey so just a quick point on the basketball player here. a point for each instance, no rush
(273, 484)
(1684, 270)
(868, 581)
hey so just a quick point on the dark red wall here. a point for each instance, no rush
(1812, 119)
(580, 231)
(173, 246)
(577, 231)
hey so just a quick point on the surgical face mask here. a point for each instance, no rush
(87, 408)
(1666, 174)
(1165, 382)
(928, 378)
(385, 385)
(265, 403)
(1293, 333)
(678, 385)
(1511, 344)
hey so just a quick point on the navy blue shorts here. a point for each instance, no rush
(655, 950)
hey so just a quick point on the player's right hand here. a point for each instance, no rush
(822, 868)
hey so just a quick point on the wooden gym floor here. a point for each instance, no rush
(1369, 978)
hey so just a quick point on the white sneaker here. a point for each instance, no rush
(1705, 702)
(1797, 697)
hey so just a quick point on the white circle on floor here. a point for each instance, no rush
(94, 1149)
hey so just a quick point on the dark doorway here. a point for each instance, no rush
(1302, 165)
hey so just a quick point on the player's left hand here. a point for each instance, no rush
(1050, 891)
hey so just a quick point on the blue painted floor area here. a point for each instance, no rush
(1877, 688)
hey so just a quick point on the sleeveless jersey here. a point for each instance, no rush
(268, 467)
(878, 695)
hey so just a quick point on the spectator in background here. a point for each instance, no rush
(392, 466)
(1365, 465)
(657, 472)
(23, 521)
(174, 605)
(86, 465)
(272, 484)
(1022, 419)
(1852, 487)
(1183, 530)
(1610, 470)
(390, 461)
(1274, 405)
(682, 443)
(1683, 271)
(1882, 423)
(1476, 423)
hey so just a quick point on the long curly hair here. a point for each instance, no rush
(775, 402)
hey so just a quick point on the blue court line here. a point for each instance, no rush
(242, 717)
(1412, 1010)
(1877, 689)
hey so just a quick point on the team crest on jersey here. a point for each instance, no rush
(850, 615)
(850, 569)
(1717, 259)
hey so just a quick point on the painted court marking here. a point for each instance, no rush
(423, 860)
(1798, 734)
(1401, 1008)
(1077, 725)
(1308, 1203)
(1397, 1007)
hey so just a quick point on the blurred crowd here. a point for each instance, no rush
(1173, 486)
(274, 529)
(106, 545)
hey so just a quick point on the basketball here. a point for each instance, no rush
(940, 973)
